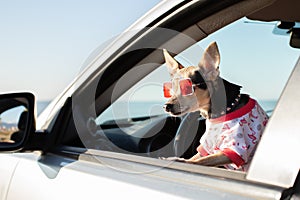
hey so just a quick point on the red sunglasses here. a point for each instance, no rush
(186, 88)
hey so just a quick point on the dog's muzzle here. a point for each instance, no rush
(173, 109)
(168, 107)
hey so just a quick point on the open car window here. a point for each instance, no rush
(144, 99)
(256, 57)
(261, 65)
(135, 122)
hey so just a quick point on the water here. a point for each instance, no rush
(268, 105)
(125, 110)
(149, 108)
(119, 110)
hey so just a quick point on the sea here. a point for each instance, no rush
(140, 108)
(125, 110)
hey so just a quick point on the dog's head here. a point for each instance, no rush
(189, 91)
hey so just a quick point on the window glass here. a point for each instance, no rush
(252, 56)
(144, 99)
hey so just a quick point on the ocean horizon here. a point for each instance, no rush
(144, 108)
(266, 104)
(125, 110)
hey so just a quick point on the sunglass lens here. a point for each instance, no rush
(186, 87)
(167, 89)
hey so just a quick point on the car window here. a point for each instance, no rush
(144, 99)
(252, 56)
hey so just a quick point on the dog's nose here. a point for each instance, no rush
(168, 107)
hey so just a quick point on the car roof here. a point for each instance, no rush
(280, 10)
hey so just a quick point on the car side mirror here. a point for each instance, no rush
(17, 120)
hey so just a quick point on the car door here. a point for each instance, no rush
(7, 170)
(58, 177)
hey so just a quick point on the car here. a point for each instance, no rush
(102, 137)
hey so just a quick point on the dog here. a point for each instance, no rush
(234, 121)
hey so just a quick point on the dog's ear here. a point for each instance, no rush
(172, 64)
(209, 63)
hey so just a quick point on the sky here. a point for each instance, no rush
(254, 57)
(43, 44)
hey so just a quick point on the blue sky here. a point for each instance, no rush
(44, 43)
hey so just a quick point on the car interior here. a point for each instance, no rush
(159, 135)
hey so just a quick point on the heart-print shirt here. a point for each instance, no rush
(235, 134)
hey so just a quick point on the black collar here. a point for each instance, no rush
(230, 107)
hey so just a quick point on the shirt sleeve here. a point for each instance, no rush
(234, 157)
(234, 145)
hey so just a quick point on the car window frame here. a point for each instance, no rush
(272, 139)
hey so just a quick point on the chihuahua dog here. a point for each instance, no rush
(234, 121)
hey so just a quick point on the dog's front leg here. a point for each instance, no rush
(217, 159)
(195, 157)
